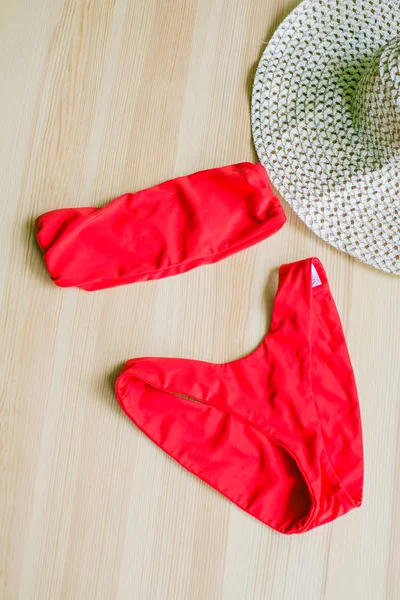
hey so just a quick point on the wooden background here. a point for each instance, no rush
(100, 97)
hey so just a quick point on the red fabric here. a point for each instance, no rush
(277, 432)
(162, 231)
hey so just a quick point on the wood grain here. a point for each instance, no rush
(108, 96)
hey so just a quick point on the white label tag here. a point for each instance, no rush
(315, 277)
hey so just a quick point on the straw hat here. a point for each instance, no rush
(326, 123)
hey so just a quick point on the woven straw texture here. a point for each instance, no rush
(326, 123)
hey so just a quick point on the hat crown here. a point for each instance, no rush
(376, 104)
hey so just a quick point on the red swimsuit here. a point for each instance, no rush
(278, 432)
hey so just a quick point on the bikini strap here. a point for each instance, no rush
(293, 303)
(308, 330)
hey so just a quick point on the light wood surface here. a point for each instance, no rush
(101, 97)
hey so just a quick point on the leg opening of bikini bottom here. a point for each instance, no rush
(240, 461)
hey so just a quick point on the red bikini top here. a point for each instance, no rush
(162, 231)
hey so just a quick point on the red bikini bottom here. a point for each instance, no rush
(278, 432)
